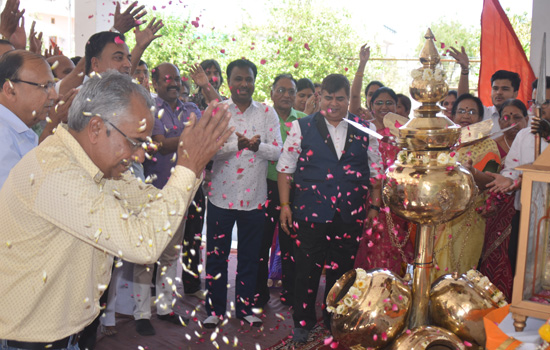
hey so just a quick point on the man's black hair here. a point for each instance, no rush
(283, 76)
(96, 44)
(334, 82)
(507, 75)
(241, 63)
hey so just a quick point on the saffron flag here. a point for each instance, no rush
(501, 49)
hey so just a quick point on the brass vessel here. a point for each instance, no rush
(459, 305)
(428, 337)
(375, 317)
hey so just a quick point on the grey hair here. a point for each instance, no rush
(108, 96)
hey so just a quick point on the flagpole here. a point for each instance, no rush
(540, 98)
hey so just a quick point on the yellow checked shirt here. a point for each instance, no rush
(61, 225)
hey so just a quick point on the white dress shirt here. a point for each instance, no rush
(239, 177)
(491, 112)
(521, 152)
(292, 147)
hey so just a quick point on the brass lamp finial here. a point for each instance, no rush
(429, 57)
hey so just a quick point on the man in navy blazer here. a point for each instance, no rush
(334, 166)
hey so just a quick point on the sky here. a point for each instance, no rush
(408, 18)
(400, 14)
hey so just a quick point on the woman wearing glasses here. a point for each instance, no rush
(495, 260)
(386, 244)
(458, 243)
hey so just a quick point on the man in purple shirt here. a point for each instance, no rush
(172, 114)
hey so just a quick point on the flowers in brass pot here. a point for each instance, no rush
(351, 297)
(427, 74)
(421, 158)
(485, 284)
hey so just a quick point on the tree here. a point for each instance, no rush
(522, 26)
(323, 44)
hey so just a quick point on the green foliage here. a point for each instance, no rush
(453, 33)
(333, 45)
(522, 26)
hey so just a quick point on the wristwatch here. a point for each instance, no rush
(377, 208)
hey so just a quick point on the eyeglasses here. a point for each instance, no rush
(46, 86)
(544, 104)
(381, 103)
(462, 111)
(281, 91)
(135, 144)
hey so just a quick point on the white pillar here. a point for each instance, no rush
(540, 25)
(91, 16)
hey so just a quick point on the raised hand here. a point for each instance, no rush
(364, 53)
(52, 51)
(35, 42)
(198, 75)
(9, 18)
(146, 36)
(130, 18)
(461, 57)
(19, 37)
(313, 104)
(62, 105)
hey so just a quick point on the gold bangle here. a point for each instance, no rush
(285, 204)
(358, 75)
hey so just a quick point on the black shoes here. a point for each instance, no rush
(144, 327)
(175, 319)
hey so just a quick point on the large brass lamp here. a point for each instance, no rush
(426, 185)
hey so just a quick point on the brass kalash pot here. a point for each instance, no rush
(427, 186)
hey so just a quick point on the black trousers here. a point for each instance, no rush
(89, 334)
(333, 245)
(192, 243)
(286, 243)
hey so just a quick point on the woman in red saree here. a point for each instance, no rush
(386, 244)
(499, 208)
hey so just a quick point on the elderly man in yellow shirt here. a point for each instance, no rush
(70, 205)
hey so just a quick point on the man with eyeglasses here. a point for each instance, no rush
(332, 167)
(70, 205)
(283, 95)
(26, 98)
(171, 118)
